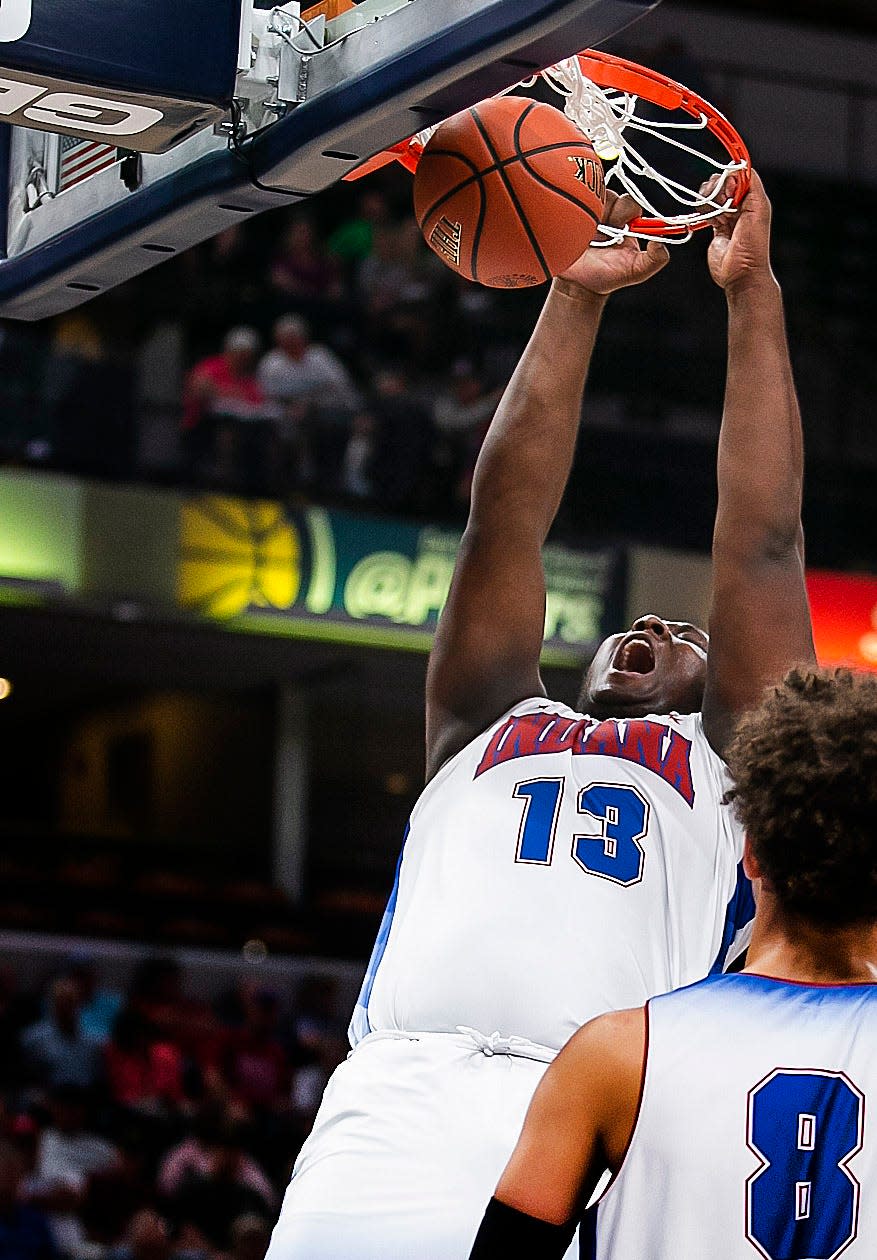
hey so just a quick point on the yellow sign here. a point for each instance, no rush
(236, 555)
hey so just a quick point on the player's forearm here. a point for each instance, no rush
(760, 462)
(525, 461)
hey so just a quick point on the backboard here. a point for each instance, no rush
(210, 112)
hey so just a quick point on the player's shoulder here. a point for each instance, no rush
(612, 1039)
(500, 729)
(688, 724)
(528, 707)
(701, 1013)
(611, 1048)
(615, 1035)
(718, 988)
(759, 992)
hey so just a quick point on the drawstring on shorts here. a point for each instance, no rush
(488, 1044)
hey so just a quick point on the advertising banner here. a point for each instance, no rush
(261, 567)
(257, 566)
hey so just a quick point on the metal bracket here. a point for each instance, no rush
(296, 54)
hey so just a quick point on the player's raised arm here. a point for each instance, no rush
(760, 618)
(489, 639)
(579, 1123)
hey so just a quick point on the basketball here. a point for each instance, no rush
(509, 193)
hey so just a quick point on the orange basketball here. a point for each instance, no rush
(509, 193)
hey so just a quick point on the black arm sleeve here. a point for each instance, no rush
(507, 1234)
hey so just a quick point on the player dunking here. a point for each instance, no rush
(558, 864)
(733, 1113)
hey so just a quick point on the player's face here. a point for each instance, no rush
(654, 667)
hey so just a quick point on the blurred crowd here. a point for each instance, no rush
(362, 370)
(140, 1123)
(323, 352)
(334, 357)
(370, 370)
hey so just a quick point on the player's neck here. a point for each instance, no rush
(790, 949)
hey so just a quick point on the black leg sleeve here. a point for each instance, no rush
(507, 1234)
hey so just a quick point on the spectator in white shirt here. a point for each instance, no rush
(318, 399)
(299, 370)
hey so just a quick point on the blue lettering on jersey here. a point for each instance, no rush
(614, 853)
(652, 745)
(803, 1201)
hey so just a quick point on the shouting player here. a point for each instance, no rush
(559, 864)
(761, 1148)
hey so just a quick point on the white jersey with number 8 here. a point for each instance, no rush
(753, 1132)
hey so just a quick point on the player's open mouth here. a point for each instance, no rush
(634, 656)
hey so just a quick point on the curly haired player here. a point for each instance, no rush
(732, 1113)
(812, 745)
(559, 864)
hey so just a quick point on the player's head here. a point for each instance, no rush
(805, 770)
(656, 666)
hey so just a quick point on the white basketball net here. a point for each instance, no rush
(609, 119)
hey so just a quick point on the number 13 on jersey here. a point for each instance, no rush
(618, 812)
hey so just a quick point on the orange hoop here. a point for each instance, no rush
(602, 92)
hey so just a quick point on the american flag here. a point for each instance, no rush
(83, 158)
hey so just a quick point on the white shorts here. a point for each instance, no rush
(407, 1147)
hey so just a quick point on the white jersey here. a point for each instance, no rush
(556, 868)
(754, 1131)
